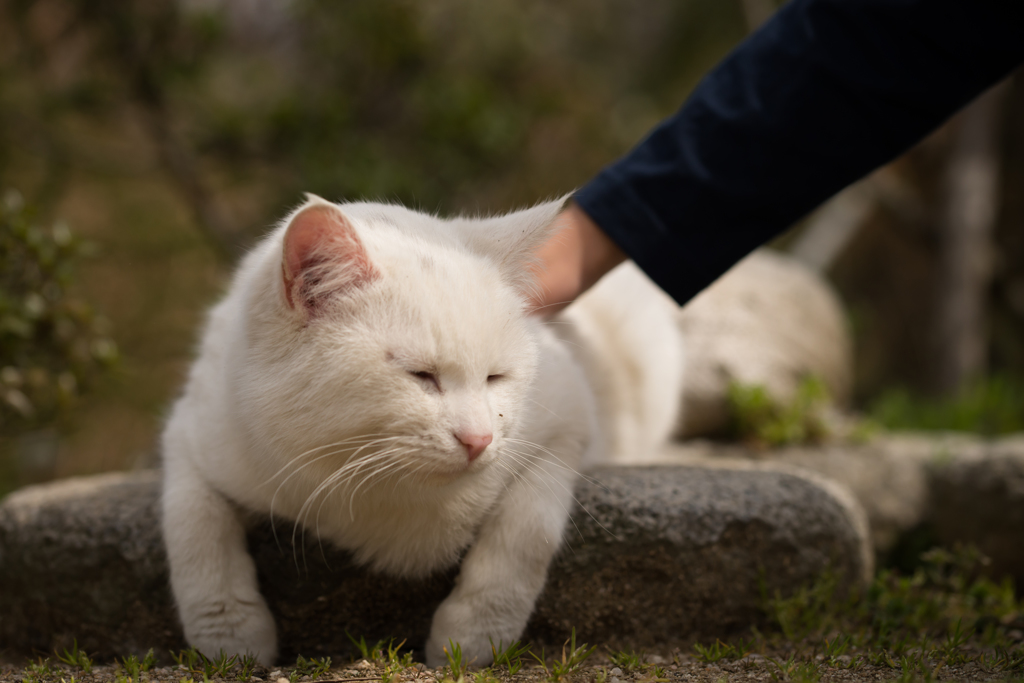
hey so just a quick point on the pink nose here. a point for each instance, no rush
(474, 443)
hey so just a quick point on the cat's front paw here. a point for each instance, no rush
(473, 627)
(233, 628)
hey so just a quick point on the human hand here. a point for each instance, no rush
(570, 262)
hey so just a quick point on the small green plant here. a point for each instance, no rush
(247, 665)
(39, 670)
(627, 660)
(741, 647)
(711, 653)
(186, 659)
(806, 672)
(810, 609)
(485, 676)
(196, 663)
(951, 648)
(52, 343)
(991, 406)
(764, 420)
(457, 666)
(511, 657)
(371, 653)
(1005, 659)
(75, 657)
(881, 658)
(572, 659)
(314, 668)
(220, 666)
(131, 667)
(395, 657)
(835, 648)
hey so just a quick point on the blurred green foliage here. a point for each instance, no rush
(451, 105)
(52, 343)
(763, 420)
(990, 406)
(149, 123)
(944, 612)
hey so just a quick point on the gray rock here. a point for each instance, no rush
(888, 476)
(769, 321)
(979, 499)
(962, 487)
(654, 555)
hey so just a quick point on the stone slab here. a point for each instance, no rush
(978, 498)
(654, 555)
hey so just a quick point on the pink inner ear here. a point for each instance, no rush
(322, 256)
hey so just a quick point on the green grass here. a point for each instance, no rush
(942, 614)
(990, 406)
(314, 668)
(511, 656)
(573, 657)
(627, 660)
(912, 625)
(457, 664)
(709, 654)
(76, 658)
(761, 419)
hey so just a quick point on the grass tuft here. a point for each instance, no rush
(510, 657)
(76, 658)
(572, 659)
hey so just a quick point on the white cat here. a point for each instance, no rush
(372, 375)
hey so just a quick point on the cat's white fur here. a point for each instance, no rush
(304, 403)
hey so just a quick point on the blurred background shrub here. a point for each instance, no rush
(172, 133)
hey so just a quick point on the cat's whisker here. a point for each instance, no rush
(571, 493)
(545, 407)
(404, 471)
(273, 499)
(534, 458)
(339, 476)
(521, 476)
(344, 442)
(526, 463)
(505, 466)
(554, 303)
(352, 497)
(398, 453)
(303, 513)
(348, 442)
(552, 454)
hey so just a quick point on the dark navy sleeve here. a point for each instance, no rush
(823, 93)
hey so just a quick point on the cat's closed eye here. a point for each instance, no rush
(426, 376)
(495, 378)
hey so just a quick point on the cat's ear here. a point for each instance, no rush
(512, 240)
(322, 256)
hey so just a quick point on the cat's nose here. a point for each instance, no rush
(474, 443)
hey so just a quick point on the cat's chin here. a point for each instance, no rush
(449, 473)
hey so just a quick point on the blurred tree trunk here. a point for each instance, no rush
(966, 226)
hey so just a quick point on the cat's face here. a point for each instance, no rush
(404, 350)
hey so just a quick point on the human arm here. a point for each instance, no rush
(573, 260)
(823, 93)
